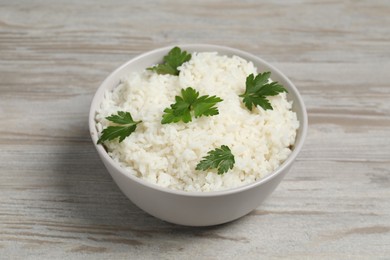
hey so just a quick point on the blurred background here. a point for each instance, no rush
(56, 198)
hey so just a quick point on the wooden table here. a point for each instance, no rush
(58, 201)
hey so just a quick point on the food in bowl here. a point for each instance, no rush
(198, 122)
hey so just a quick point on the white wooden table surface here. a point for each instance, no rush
(57, 200)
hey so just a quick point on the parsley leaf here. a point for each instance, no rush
(190, 100)
(257, 88)
(126, 125)
(220, 158)
(172, 61)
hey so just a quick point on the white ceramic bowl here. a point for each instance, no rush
(196, 208)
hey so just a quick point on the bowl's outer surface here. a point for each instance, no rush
(190, 208)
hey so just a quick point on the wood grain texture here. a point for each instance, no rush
(56, 199)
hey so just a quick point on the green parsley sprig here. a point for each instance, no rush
(190, 101)
(172, 61)
(221, 159)
(125, 126)
(258, 88)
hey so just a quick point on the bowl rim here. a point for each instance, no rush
(233, 51)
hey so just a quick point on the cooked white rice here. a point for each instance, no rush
(167, 154)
